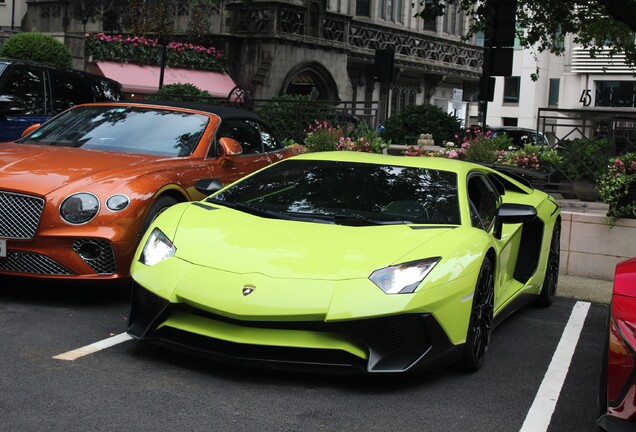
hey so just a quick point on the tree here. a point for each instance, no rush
(543, 24)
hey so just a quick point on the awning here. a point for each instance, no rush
(145, 78)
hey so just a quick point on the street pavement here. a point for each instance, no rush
(592, 290)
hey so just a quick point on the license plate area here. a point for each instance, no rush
(3, 248)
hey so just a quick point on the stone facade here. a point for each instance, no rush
(326, 48)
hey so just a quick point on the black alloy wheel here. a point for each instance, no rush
(481, 320)
(551, 279)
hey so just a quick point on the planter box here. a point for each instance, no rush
(591, 248)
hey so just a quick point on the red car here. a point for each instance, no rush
(617, 396)
(77, 192)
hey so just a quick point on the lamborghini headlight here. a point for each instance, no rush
(157, 248)
(403, 278)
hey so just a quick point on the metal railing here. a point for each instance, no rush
(289, 119)
(585, 139)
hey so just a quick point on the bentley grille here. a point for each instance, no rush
(19, 215)
(32, 263)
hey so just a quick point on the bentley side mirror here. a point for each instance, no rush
(230, 146)
(30, 129)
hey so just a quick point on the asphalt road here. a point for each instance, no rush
(135, 386)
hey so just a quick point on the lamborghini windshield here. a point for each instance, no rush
(347, 193)
(143, 130)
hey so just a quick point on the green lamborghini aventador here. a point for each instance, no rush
(346, 260)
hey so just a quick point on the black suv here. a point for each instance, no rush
(34, 92)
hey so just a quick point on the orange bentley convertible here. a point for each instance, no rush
(77, 192)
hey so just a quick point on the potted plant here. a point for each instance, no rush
(617, 187)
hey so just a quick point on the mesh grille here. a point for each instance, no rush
(104, 261)
(28, 262)
(19, 215)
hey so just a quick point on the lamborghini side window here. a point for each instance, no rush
(484, 201)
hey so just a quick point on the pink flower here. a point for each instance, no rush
(453, 155)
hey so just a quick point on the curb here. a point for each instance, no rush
(592, 290)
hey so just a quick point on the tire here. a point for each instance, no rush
(551, 279)
(157, 207)
(481, 320)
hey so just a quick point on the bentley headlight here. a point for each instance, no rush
(117, 202)
(403, 278)
(157, 248)
(79, 208)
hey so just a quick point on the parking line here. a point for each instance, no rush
(540, 413)
(93, 348)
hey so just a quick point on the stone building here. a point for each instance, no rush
(326, 48)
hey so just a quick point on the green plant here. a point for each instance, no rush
(362, 139)
(144, 50)
(531, 156)
(583, 158)
(476, 146)
(290, 115)
(37, 47)
(615, 185)
(406, 126)
(321, 136)
(181, 92)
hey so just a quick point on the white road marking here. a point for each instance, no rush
(540, 413)
(94, 347)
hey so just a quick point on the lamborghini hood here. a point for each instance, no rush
(237, 242)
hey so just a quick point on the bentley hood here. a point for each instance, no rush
(42, 169)
(237, 242)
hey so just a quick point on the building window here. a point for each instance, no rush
(391, 10)
(363, 8)
(511, 89)
(509, 121)
(401, 98)
(553, 96)
(429, 24)
(615, 94)
(453, 20)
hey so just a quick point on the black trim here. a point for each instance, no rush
(614, 424)
(395, 344)
(529, 250)
(425, 227)
(203, 206)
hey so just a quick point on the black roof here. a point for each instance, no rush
(220, 110)
(54, 67)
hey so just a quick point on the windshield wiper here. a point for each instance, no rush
(250, 209)
(352, 220)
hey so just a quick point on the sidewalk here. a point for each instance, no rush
(593, 290)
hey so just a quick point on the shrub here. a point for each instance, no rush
(406, 126)
(290, 115)
(182, 92)
(616, 186)
(321, 136)
(584, 159)
(37, 47)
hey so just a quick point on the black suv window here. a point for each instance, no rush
(105, 90)
(26, 85)
(68, 90)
